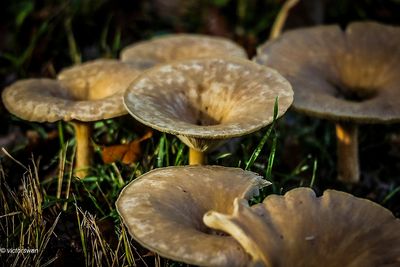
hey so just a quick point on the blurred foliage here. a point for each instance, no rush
(34, 35)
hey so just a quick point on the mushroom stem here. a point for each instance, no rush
(347, 152)
(196, 157)
(84, 149)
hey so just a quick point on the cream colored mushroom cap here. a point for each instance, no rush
(163, 211)
(208, 100)
(343, 76)
(302, 230)
(179, 47)
(87, 92)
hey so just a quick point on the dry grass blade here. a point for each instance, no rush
(22, 222)
(281, 18)
(97, 250)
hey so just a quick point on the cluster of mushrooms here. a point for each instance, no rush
(204, 90)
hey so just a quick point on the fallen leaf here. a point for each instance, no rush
(126, 153)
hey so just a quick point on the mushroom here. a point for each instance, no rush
(179, 47)
(206, 101)
(163, 211)
(349, 77)
(84, 93)
(302, 230)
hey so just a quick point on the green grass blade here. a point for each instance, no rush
(166, 149)
(81, 233)
(315, 166)
(92, 198)
(161, 152)
(391, 194)
(61, 134)
(116, 46)
(260, 146)
(271, 158)
(179, 155)
(258, 149)
(25, 9)
(73, 47)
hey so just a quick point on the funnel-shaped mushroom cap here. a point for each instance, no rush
(302, 230)
(179, 47)
(204, 101)
(87, 92)
(163, 210)
(352, 75)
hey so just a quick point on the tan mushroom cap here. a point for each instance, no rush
(87, 92)
(163, 211)
(350, 76)
(302, 230)
(204, 101)
(179, 47)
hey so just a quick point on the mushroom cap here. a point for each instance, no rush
(163, 211)
(179, 47)
(343, 76)
(204, 101)
(87, 92)
(302, 230)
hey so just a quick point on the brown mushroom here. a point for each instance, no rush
(302, 230)
(85, 93)
(179, 47)
(206, 101)
(163, 211)
(349, 77)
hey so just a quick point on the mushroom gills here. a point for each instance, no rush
(207, 111)
(204, 119)
(354, 94)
